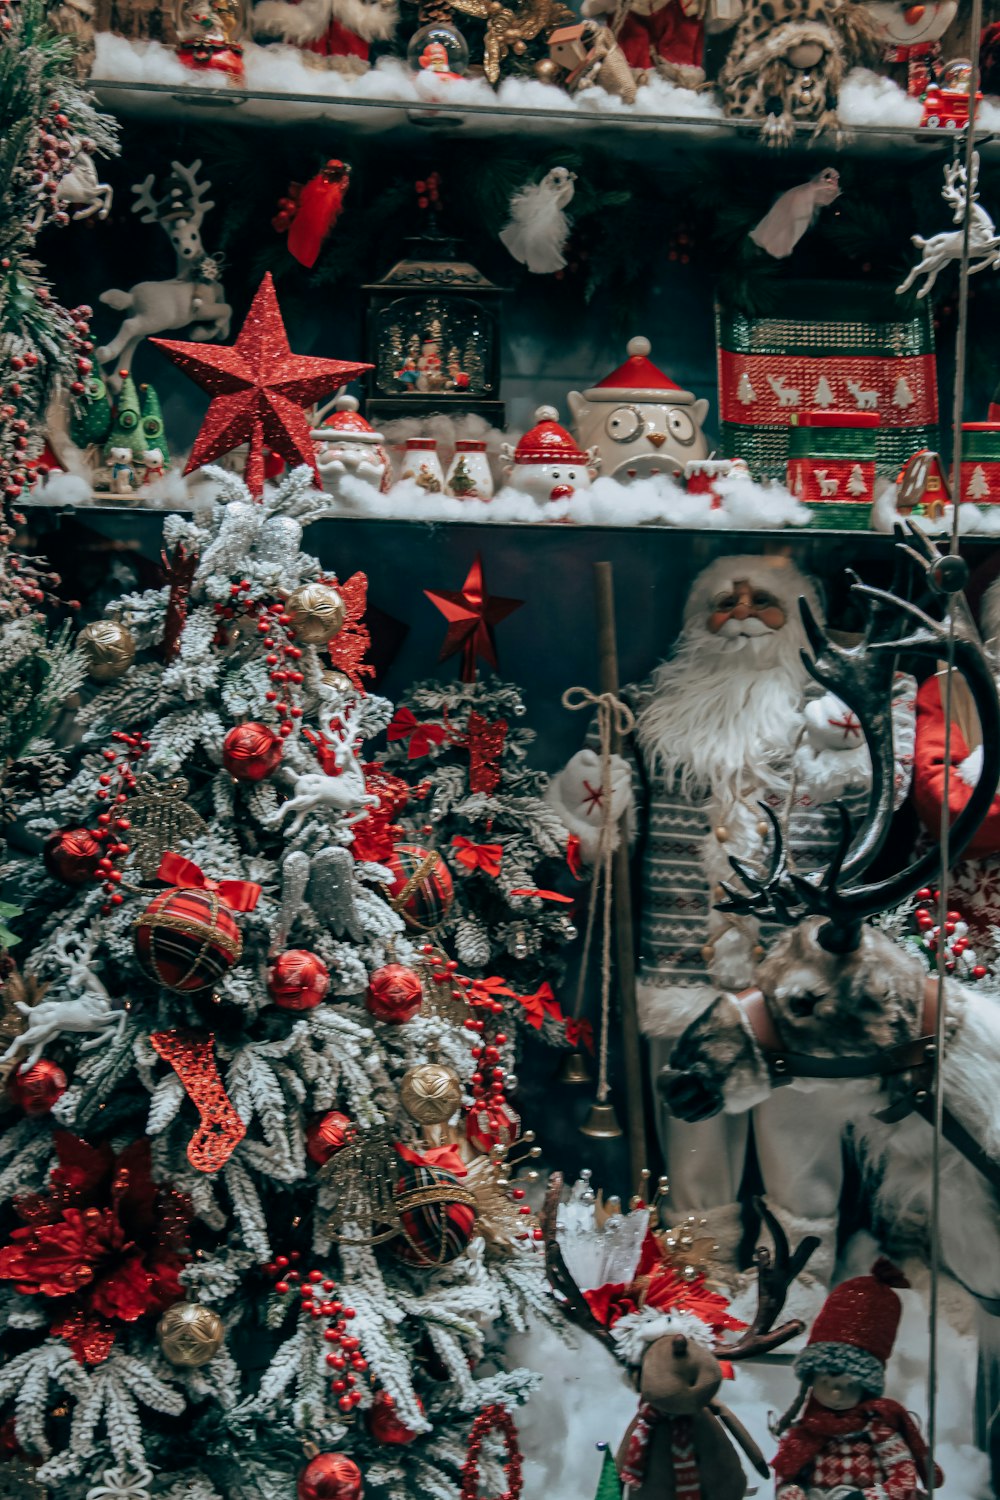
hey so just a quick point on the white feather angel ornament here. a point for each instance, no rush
(781, 228)
(538, 229)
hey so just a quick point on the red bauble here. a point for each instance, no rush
(298, 980)
(492, 1122)
(36, 1089)
(326, 1135)
(330, 1476)
(71, 855)
(422, 889)
(251, 751)
(385, 1426)
(187, 939)
(394, 994)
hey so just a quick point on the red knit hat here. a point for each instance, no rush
(548, 443)
(856, 1329)
(347, 418)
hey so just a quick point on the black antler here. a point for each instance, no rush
(862, 676)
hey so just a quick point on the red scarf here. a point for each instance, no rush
(687, 1485)
(818, 1425)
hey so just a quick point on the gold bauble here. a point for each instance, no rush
(190, 1335)
(317, 612)
(430, 1093)
(109, 649)
(546, 71)
(334, 678)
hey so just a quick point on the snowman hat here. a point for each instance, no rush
(638, 379)
(548, 442)
(347, 419)
(856, 1329)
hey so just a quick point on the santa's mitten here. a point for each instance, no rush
(719, 1064)
(831, 725)
(577, 795)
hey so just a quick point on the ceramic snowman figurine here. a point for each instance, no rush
(547, 463)
(347, 444)
(639, 421)
(912, 36)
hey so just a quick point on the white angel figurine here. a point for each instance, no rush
(538, 229)
(781, 228)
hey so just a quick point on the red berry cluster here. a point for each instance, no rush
(429, 191)
(112, 825)
(316, 1292)
(18, 469)
(957, 942)
(275, 627)
(493, 1418)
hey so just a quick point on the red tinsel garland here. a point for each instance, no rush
(493, 1418)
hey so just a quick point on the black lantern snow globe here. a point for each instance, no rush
(433, 332)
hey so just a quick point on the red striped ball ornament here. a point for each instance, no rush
(251, 751)
(187, 939)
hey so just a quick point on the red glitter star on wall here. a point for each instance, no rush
(259, 389)
(471, 613)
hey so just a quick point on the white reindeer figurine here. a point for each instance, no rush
(194, 295)
(984, 242)
(865, 398)
(344, 792)
(787, 394)
(91, 1011)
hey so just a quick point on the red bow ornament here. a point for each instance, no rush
(485, 857)
(580, 1034)
(540, 1005)
(239, 895)
(422, 737)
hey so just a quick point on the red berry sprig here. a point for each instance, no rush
(960, 955)
(317, 1300)
(115, 785)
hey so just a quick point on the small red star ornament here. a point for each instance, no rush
(259, 389)
(471, 612)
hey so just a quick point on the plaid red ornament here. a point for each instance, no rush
(437, 1215)
(186, 940)
(421, 889)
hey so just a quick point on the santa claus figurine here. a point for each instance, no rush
(842, 1439)
(334, 34)
(730, 721)
(547, 463)
(346, 443)
(976, 880)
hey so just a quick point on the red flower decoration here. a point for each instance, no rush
(105, 1241)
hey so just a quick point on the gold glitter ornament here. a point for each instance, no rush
(190, 1335)
(430, 1093)
(160, 819)
(317, 613)
(108, 647)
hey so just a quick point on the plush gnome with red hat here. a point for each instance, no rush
(842, 1439)
(639, 420)
(347, 444)
(547, 463)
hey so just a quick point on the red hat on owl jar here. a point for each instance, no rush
(547, 463)
(639, 420)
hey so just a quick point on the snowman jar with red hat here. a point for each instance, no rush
(640, 422)
(548, 464)
(842, 1439)
(347, 444)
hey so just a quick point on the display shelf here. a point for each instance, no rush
(397, 121)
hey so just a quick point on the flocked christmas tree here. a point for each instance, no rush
(478, 811)
(242, 1253)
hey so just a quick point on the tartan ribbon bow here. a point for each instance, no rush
(485, 857)
(239, 895)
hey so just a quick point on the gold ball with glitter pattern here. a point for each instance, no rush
(190, 1335)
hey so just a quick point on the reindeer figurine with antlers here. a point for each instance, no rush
(838, 1007)
(193, 296)
(984, 242)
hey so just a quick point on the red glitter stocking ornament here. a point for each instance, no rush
(193, 1060)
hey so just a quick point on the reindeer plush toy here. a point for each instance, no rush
(839, 1006)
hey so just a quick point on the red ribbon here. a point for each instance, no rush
(444, 1158)
(580, 1034)
(541, 1004)
(485, 857)
(239, 895)
(543, 895)
(574, 857)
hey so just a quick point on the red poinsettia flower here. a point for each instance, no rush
(106, 1238)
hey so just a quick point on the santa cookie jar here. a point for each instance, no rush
(547, 464)
(345, 444)
(639, 421)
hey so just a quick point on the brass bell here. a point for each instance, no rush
(574, 1069)
(602, 1122)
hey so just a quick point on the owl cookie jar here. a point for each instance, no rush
(639, 421)
(345, 444)
(547, 464)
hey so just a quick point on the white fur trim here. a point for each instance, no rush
(636, 1331)
(309, 20)
(970, 769)
(667, 1010)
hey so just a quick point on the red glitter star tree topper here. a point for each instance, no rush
(258, 389)
(471, 613)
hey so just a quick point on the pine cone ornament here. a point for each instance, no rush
(472, 943)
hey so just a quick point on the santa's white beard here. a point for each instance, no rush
(726, 710)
